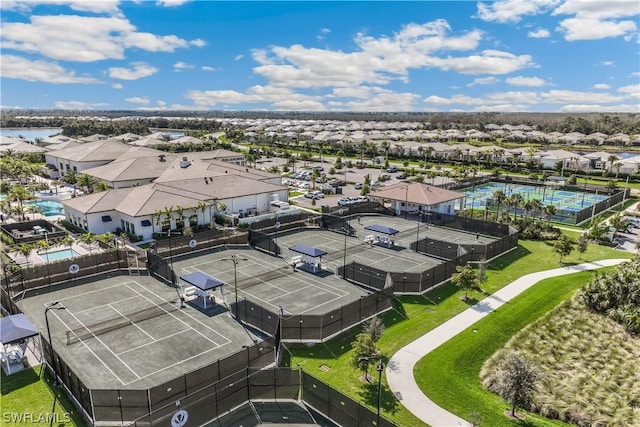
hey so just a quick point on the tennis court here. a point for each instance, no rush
(569, 201)
(130, 331)
(271, 282)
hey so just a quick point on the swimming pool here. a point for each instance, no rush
(48, 207)
(58, 255)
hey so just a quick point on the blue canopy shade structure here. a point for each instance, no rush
(308, 250)
(382, 229)
(145, 223)
(106, 218)
(16, 328)
(201, 281)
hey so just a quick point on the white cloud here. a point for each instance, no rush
(84, 38)
(117, 86)
(385, 100)
(238, 57)
(512, 10)
(161, 104)
(590, 108)
(504, 108)
(138, 100)
(254, 95)
(601, 86)
(139, 70)
(526, 81)
(381, 60)
(16, 67)
(635, 74)
(79, 105)
(483, 81)
(179, 66)
(198, 43)
(606, 63)
(575, 97)
(597, 19)
(630, 89)
(208, 68)
(171, 3)
(325, 31)
(95, 6)
(540, 33)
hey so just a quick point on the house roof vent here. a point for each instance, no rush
(185, 163)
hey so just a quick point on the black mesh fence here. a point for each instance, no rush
(75, 387)
(178, 244)
(338, 223)
(159, 267)
(337, 406)
(467, 224)
(264, 242)
(363, 274)
(439, 248)
(53, 272)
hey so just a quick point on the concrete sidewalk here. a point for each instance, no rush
(399, 370)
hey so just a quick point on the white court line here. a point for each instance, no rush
(134, 324)
(90, 350)
(288, 293)
(158, 340)
(182, 361)
(103, 344)
(186, 314)
(103, 305)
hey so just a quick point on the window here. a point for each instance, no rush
(75, 169)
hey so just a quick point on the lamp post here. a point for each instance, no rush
(52, 306)
(379, 368)
(406, 201)
(235, 259)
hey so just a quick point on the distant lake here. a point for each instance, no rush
(172, 133)
(30, 134)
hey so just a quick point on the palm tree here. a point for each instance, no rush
(19, 194)
(515, 200)
(499, 197)
(536, 206)
(167, 212)
(222, 207)
(86, 182)
(611, 159)
(179, 211)
(25, 250)
(202, 207)
(88, 239)
(42, 245)
(67, 241)
(549, 211)
(617, 165)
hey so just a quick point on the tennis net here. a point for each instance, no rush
(124, 320)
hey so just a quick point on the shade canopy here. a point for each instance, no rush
(382, 229)
(145, 223)
(15, 328)
(308, 250)
(201, 281)
(106, 218)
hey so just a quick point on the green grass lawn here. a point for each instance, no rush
(450, 374)
(29, 398)
(416, 315)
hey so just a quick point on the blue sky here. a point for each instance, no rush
(507, 55)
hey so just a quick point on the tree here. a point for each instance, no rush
(364, 350)
(549, 211)
(465, 279)
(516, 381)
(582, 245)
(25, 250)
(498, 197)
(67, 241)
(481, 274)
(564, 246)
(20, 194)
(88, 239)
(374, 327)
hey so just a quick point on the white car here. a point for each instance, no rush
(304, 186)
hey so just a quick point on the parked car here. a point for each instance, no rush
(314, 195)
(304, 186)
(392, 169)
(375, 184)
(344, 201)
(358, 186)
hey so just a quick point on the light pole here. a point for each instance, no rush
(52, 306)
(235, 259)
(406, 201)
(379, 368)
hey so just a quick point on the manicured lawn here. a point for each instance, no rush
(416, 315)
(28, 398)
(450, 374)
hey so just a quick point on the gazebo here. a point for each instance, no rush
(201, 284)
(15, 332)
(308, 258)
(383, 237)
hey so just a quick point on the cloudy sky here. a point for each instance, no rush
(507, 55)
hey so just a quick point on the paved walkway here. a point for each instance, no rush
(400, 368)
